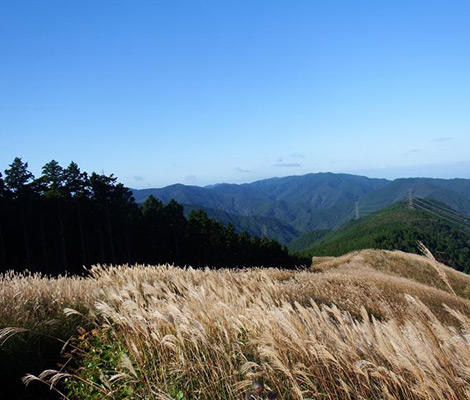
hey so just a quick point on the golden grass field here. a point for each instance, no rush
(368, 325)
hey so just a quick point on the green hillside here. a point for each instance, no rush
(395, 228)
(305, 241)
(252, 224)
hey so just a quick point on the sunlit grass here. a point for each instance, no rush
(357, 327)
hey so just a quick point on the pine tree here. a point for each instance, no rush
(54, 179)
(18, 178)
(3, 188)
(76, 182)
(77, 189)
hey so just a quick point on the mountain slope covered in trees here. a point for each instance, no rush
(396, 228)
(301, 201)
(252, 224)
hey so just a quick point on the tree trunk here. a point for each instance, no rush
(44, 248)
(103, 258)
(177, 249)
(62, 239)
(110, 234)
(128, 250)
(82, 237)
(26, 245)
(3, 257)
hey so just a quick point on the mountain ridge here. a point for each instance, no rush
(308, 202)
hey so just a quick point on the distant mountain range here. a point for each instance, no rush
(285, 208)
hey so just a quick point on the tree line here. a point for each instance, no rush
(66, 219)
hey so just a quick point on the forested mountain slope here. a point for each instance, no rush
(398, 228)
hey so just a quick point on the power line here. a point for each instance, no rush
(443, 217)
(456, 219)
(415, 203)
(465, 230)
(439, 210)
(444, 209)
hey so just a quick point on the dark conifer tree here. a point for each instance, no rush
(52, 182)
(53, 178)
(152, 232)
(3, 188)
(76, 183)
(77, 190)
(176, 229)
(18, 179)
(3, 211)
(65, 219)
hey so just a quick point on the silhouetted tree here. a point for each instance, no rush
(18, 179)
(53, 179)
(66, 219)
(3, 205)
(77, 189)
(3, 188)
(19, 182)
(176, 225)
(152, 233)
(76, 183)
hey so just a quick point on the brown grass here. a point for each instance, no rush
(29, 300)
(369, 325)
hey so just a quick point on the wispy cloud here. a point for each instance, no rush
(138, 178)
(297, 155)
(441, 139)
(412, 151)
(287, 165)
(238, 169)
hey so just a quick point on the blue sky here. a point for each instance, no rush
(200, 92)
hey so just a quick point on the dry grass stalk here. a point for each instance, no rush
(427, 253)
(209, 334)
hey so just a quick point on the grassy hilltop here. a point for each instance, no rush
(370, 324)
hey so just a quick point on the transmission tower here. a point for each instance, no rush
(358, 215)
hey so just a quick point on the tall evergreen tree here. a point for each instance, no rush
(77, 187)
(53, 179)
(76, 183)
(19, 181)
(152, 208)
(3, 193)
(115, 200)
(3, 188)
(152, 233)
(18, 178)
(176, 223)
